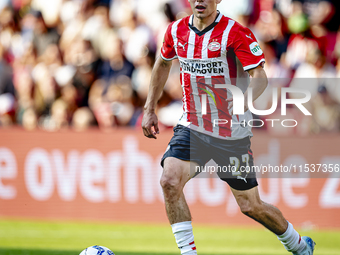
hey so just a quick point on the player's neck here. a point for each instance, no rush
(201, 24)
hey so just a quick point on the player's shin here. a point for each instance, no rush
(291, 240)
(184, 237)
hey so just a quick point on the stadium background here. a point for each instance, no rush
(74, 76)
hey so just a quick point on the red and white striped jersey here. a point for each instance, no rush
(220, 54)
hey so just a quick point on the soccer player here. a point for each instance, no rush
(212, 49)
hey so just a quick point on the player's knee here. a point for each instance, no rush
(170, 184)
(247, 210)
(174, 177)
(250, 208)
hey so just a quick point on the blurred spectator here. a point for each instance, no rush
(57, 119)
(82, 119)
(114, 63)
(315, 72)
(274, 67)
(317, 11)
(49, 10)
(43, 36)
(29, 119)
(7, 108)
(6, 83)
(45, 93)
(24, 87)
(316, 65)
(142, 75)
(112, 104)
(81, 67)
(326, 112)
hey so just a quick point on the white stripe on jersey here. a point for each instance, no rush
(168, 59)
(219, 17)
(213, 109)
(198, 105)
(174, 34)
(184, 95)
(226, 34)
(206, 43)
(246, 68)
(191, 45)
(191, 19)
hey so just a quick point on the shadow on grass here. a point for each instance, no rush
(11, 251)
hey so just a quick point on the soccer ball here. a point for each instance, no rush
(97, 250)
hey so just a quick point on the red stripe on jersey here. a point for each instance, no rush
(207, 121)
(184, 99)
(192, 243)
(186, 93)
(193, 248)
(198, 46)
(192, 116)
(216, 36)
(223, 112)
(168, 50)
(183, 92)
(183, 33)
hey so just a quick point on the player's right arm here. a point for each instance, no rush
(159, 77)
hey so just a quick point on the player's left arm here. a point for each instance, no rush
(258, 84)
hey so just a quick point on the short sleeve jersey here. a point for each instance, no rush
(220, 54)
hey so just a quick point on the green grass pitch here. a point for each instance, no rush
(19, 237)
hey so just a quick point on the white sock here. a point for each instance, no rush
(291, 240)
(184, 237)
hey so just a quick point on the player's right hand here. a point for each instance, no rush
(150, 125)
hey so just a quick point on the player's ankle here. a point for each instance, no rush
(184, 237)
(291, 240)
(302, 246)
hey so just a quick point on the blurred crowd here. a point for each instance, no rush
(83, 63)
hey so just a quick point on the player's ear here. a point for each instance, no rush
(217, 1)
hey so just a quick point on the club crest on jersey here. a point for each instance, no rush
(214, 46)
(255, 49)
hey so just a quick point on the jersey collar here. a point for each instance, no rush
(200, 33)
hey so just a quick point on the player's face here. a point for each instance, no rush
(203, 8)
